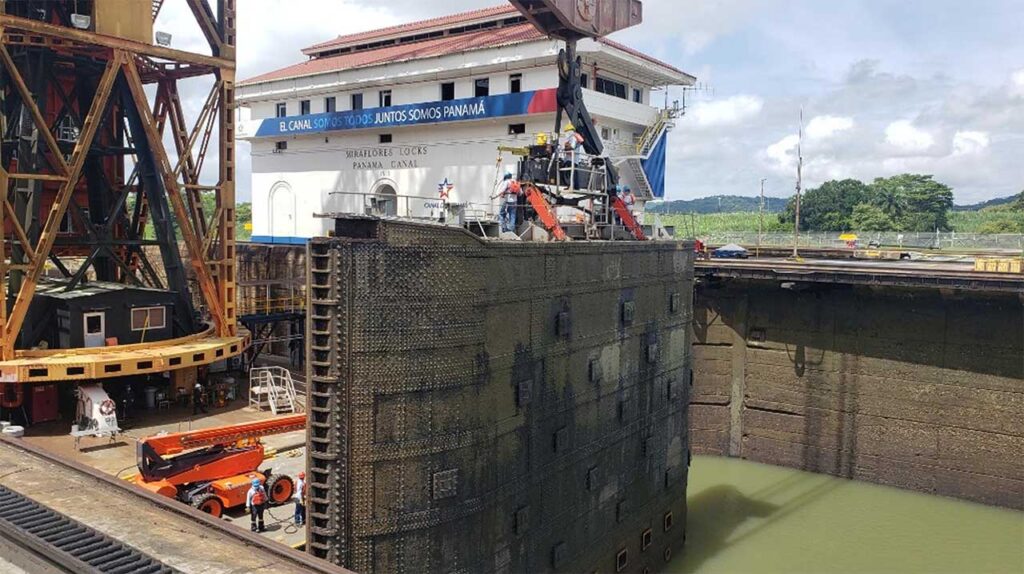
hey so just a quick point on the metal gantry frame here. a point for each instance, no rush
(44, 59)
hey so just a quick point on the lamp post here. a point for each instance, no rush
(760, 219)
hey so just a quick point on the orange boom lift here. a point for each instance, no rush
(214, 467)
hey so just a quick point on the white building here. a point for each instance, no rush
(380, 121)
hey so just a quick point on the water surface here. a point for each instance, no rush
(749, 517)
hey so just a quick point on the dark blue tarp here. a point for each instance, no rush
(654, 166)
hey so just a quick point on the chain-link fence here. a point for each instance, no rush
(950, 240)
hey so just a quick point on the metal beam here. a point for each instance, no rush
(50, 228)
(187, 227)
(55, 157)
(14, 23)
(204, 16)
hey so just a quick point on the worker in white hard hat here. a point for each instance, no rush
(569, 145)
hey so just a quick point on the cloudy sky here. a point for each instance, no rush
(886, 86)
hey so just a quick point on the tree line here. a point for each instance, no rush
(906, 202)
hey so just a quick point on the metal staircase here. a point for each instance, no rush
(273, 388)
(644, 144)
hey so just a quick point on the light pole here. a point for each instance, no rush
(799, 182)
(760, 219)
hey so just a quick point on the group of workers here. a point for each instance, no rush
(257, 500)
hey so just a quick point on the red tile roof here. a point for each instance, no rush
(413, 27)
(453, 44)
(413, 51)
(640, 55)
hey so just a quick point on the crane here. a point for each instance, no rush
(212, 469)
(570, 21)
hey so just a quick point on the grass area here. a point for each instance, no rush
(984, 221)
(709, 223)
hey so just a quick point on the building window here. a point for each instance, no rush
(357, 101)
(385, 138)
(282, 110)
(584, 80)
(516, 129)
(304, 108)
(638, 96)
(330, 105)
(145, 318)
(515, 83)
(66, 223)
(280, 146)
(481, 87)
(610, 87)
(447, 91)
(384, 99)
(605, 134)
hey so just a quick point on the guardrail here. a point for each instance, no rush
(942, 240)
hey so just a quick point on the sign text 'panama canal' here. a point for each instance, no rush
(541, 101)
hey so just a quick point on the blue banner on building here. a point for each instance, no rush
(524, 103)
(654, 166)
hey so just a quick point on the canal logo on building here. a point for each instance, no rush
(524, 103)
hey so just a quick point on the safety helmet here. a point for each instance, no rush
(255, 482)
(508, 175)
(569, 127)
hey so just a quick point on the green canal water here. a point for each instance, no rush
(748, 517)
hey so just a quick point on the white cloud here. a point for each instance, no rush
(967, 143)
(783, 153)
(903, 135)
(822, 127)
(731, 111)
(1017, 82)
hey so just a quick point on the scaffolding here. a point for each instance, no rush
(74, 112)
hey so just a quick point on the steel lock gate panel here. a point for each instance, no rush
(483, 406)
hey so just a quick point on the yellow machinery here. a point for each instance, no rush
(95, 284)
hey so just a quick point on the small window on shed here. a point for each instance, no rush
(385, 138)
(516, 129)
(447, 91)
(146, 318)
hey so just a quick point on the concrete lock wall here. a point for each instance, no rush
(917, 389)
(496, 406)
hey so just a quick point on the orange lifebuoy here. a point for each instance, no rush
(12, 395)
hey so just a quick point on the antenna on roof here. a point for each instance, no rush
(699, 87)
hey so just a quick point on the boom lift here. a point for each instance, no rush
(217, 466)
(539, 169)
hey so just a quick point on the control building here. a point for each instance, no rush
(399, 120)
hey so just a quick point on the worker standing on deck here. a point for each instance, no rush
(256, 503)
(507, 193)
(299, 496)
(629, 199)
(198, 399)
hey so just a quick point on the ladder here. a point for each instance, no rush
(273, 388)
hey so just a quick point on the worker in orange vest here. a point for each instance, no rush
(256, 504)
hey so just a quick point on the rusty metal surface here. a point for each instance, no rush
(496, 406)
(574, 19)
